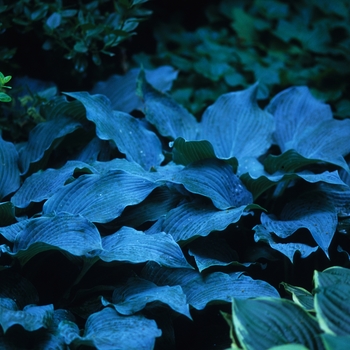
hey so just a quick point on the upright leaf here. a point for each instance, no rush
(171, 119)
(129, 134)
(236, 126)
(42, 138)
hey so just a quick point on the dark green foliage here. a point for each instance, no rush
(277, 43)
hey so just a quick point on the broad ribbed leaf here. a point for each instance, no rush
(9, 171)
(236, 126)
(121, 90)
(42, 185)
(107, 330)
(266, 322)
(71, 233)
(288, 249)
(171, 119)
(100, 198)
(136, 293)
(332, 301)
(216, 180)
(130, 245)
(335, 342)
(42, 138)
(333, 275)
(129, 134)
(313, 212)
(190, 220)
(30, 318)
(202, 289)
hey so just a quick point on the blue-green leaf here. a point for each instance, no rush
(31, 318)
(9, 171)
(236, 126)
(129, 134)
(202, 289)
(306, 125)
(136, 293)
(71, 233)
(100, 198)
(130, 245)
(171, 119)
(106, 329)
(313, 212)
(300, 296)
(266, 322)
(331, 300)
(288, 249)
(42, 138)
(335, 342)
(216, 180)
(42, 185)
(190, 220)
(121, 90)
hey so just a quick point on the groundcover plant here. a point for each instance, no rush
(124, 219)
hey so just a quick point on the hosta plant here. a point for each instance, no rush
(127, 223)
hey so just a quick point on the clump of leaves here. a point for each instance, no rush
(123, 217)
(278, 44)
(78, 33)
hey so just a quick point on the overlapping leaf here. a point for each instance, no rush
(42, 185)
(288, 249)
(71, 233)
(137, 293)
(313, 212)
(130, 245)
(30, 318)
(42, 138)
(100, 198)
(106, 328)
(202, 289)
(129, 134)
(216, 180)
(9, 172)
(190, 220)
